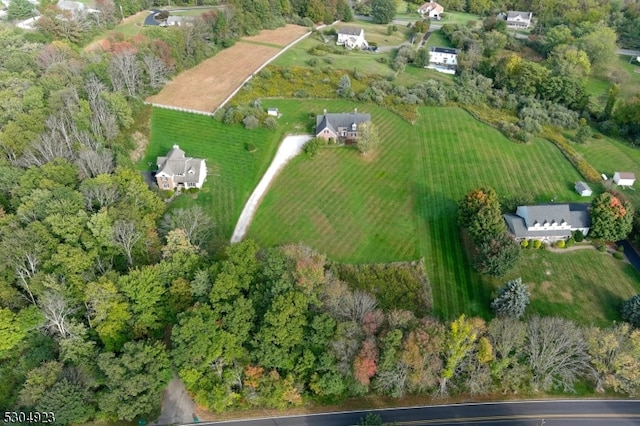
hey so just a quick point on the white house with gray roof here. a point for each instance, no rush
(340, 126)
(518, 20)
(548, 222)
(176, 170)
(351, 37)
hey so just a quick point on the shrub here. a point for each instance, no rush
(618, 255)
(307, 22)
(265, 73)
(312, 147)
(578, 236)
(537, 244)
(561, 244)
(250, 122)
(300, 94)
(250, 147)
(524, 243)
(631, 311)
(270, 123)
(312, 62)
(620, 249)
(602, 248)
(570, 242)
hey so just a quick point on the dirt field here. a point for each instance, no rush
(280, 36)
(204, 87)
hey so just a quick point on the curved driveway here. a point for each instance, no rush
(554, 412)
(289, 148)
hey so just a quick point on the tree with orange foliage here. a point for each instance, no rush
(611, 217)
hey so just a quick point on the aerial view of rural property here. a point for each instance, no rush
(319, 212)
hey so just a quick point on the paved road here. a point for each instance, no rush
(631, 254)
(565, 412)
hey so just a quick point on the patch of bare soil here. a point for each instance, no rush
(206, 86)
(141, 142)
(281, 36)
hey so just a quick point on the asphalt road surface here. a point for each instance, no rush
(525, 413)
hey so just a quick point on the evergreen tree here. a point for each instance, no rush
(631, 311)
(512, 299)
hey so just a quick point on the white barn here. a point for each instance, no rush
(583, 189)
(624, 178)
(351, 37)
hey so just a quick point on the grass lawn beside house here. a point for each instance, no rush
(233, 172)
(584, 285)
(628, 75)
(609, 155)
(437, 39)
(400, 202)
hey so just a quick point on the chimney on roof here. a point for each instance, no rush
(175, 146)
(325, 111)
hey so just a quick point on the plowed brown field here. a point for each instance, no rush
(206, 86)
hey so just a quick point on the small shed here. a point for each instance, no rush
(272, 111)
(583, 189)
(624, 178)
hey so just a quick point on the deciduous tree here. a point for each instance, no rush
(368, 138)
(383, 11)
(557, 353)
(611, 217)
(137, 375)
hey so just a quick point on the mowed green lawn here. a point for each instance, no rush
(608, 156)
(400, 202)
(586, 286)
(233, 172)
(363, 61)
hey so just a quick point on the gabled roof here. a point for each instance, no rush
(626, 175)
(354, 31)
(431, 5)
(334, 121)
(443, 50)
(575, 214)
(513, 15)
(544, 213)
(581, 186)
(176, 164)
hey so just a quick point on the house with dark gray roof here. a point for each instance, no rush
(176, 170)
(443, 59)
(351, 37)
(518, 20)
(549, 222)
(341, 127)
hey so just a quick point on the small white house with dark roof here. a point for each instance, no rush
(518, 20)
(583, 189)
(351, 37)
(431, 9)
(549, 222)
(624, 178)
(178, 170)
(340, 126)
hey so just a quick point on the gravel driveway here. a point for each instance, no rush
(289, 148)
